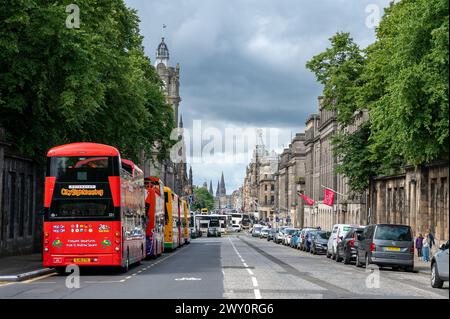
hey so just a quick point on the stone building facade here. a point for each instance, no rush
(21, 198)
(418, 197)
(320, 165)
(259, 190)
(290, 178)
(174, 175)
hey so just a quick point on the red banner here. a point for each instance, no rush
(328, 198)
(308, 200)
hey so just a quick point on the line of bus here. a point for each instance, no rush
(100, 211)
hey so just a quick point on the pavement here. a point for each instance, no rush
(230, 267)
(19, 268)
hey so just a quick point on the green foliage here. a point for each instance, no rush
(402, 79)
(406, 84)
(202, 199)
(60, 85)
(339, 68)
(354, 158)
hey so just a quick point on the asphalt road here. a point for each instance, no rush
(234, 266)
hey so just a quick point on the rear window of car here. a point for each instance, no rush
(398, 233)
(324, 235)
(290, 231)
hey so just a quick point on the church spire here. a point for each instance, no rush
(211, 188)
(223, 191)
(181, 121)
(218, 189)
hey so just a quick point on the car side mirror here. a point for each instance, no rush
(443, 247)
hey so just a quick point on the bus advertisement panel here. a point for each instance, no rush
(154, 206)
(94, 208)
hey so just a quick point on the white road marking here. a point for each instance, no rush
(255, 282)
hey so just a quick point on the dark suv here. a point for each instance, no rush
(386, 245)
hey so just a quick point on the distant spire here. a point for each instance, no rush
(211, 188)
(205, 185)
(218, 189)
(181, 121)
(223, 191)
(190, 176)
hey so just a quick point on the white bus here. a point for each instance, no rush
(204, 222)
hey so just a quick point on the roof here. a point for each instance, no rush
(83, 149)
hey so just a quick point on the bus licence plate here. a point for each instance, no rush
(82, 260)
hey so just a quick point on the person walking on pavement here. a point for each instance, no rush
(430, 240)
(426, 249)
(419, 241)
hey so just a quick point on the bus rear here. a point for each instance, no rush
(154, 206)
(82, 203)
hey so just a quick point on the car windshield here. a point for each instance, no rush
(290, 231)
(323, 235)
(388, 232)
(257, 228)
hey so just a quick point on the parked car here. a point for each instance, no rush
(302, 240)
(264, 232)
(339, 230)
(280, 234)
(347, 247)
(272, 234)
(386, 245)
(256, 230)
(439, 267)
(288, 235)
(320, 242)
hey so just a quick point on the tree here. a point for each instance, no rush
(60, 85)
(406, 84)
(339, 69)
(202, 199)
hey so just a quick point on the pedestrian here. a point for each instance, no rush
(426, 249)
(430, 240)
(419, 243)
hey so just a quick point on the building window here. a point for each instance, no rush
(272, 187)
(265, 187)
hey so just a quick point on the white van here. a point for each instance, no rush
(339, 231)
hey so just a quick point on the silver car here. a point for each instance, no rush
(386, 245)
(439, 267)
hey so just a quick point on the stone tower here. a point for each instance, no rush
(170, 77)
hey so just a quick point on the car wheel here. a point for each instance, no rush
(333, 254)
(436, 281)
(314, 250)
(358, 263)
(347, 258)
(328, 254)
(338, 258)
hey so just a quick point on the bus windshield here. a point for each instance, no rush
(81, 187)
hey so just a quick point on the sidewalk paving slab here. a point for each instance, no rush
(24, 267)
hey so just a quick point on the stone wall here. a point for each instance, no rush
(418, 198)
(21, 198)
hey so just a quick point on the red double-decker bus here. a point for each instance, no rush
(154, 206)
(94, 208)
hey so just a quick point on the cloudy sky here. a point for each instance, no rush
(243, 68)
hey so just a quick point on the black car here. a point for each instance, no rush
(319, 242)
(348, 246)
